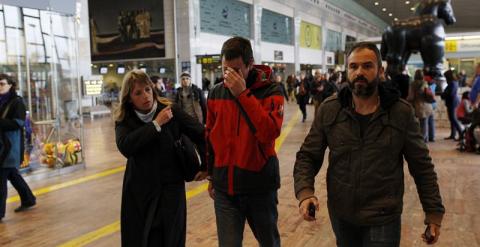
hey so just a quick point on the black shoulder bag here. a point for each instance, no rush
(187, 155)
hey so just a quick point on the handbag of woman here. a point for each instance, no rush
(153, 211)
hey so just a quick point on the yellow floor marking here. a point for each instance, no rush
(115, 227)
(55, 187)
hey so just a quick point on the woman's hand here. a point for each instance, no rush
(164, 116)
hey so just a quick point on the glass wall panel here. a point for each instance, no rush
(42, 59)
(33, 31)
(3, 54)
(31, 12)
(12, 16)
(2, 27)
(15, 42)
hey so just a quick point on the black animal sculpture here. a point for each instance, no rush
(424, 33)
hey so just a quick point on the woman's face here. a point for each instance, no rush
(141, 97)
(4, 86)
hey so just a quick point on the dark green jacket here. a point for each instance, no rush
(365, 181)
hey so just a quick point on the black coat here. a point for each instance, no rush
(152, 167)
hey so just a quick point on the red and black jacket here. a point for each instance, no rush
(241, 135)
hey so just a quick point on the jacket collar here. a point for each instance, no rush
(388, 96)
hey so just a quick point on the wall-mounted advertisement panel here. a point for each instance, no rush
(310, 36)
(276, 28)
(349, 42)
(225, 17)
(334, 41)
(122, 29)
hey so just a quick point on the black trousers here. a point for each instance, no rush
(26, 196)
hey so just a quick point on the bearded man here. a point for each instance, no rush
(369, 131)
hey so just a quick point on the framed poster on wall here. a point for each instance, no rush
(310, 36)
(276, 28)
(122, 29)
(225, 17)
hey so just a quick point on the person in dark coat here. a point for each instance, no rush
(302, 94)
(369, 132)
(153, 211)
(12, 120)
(451, 102)
(281, 86)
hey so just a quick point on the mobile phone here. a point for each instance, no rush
(428, 235)
(311, 210)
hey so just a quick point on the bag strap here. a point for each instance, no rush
(7, 108)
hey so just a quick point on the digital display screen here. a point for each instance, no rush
(103, 70)
(121, 70)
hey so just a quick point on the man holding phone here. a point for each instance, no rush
(244, 118)
(369, 130)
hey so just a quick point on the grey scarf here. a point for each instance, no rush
(147, 117)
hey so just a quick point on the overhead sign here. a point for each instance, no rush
(225, 17)
(208, 59)
(310, 36)
(93, 87)
(462, 45)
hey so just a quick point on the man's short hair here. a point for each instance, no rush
(367, 45)
(185, 74)
(237, 47)
(10, 81)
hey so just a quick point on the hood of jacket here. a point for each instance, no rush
(259, 77)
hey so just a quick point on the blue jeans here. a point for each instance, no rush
(347, 234)
(424, 128)
(431, 127)
(259, 210)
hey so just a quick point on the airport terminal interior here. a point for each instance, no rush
(86, 161)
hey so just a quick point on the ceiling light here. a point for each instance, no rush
(376, 3)
(390, 14)
(384, 9)
(407, 2)
(395, 19)
(412, 9)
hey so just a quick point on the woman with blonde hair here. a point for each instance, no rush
(153, 211)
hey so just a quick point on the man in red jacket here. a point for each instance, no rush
(244, 117)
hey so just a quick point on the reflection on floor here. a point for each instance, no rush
(72, 212)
